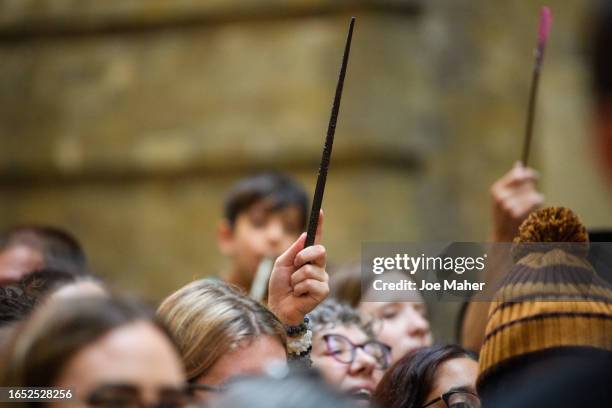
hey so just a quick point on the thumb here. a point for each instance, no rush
(287, 257)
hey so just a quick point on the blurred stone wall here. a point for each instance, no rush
(126, 120)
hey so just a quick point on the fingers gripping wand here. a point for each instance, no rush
(329, 140)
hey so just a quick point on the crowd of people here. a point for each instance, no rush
(210, 344)
(312, 340)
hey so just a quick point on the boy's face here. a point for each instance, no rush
(259, 232)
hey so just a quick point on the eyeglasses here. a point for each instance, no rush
(344, 351)
(457, 399)
(129, 396)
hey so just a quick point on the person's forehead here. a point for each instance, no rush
(269, 206)
(144, 352)
(373, 307)
(21, 251)
(456, 373)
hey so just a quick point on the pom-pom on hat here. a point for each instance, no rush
(550, 301)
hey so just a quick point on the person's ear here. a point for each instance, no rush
(225, 237)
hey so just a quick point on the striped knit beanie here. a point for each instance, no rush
(550, 301)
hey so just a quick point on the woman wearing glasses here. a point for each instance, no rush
(345, 351)
(434, 377)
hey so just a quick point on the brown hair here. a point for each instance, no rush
(345, 283)
(210, 318)
(55, 333)
(278, 189)
(407, 383)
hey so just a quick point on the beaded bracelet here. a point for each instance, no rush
(300, 346)
(300, 329)
(299, 342)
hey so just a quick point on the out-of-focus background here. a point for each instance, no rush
(126, 120)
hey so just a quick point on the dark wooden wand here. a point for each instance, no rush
(329, 141)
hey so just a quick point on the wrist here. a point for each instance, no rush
(293, 319)
(298, 330)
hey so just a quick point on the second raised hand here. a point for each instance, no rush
(513, 197)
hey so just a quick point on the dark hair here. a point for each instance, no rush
(18, 300)
(60, 249)
(40, 282)
(601, 49)
(15, 304)
(303, 390)
(55, 333)
(407, 383)
(461, 315)
(280, 189)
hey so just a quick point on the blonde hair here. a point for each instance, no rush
(209, 318)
